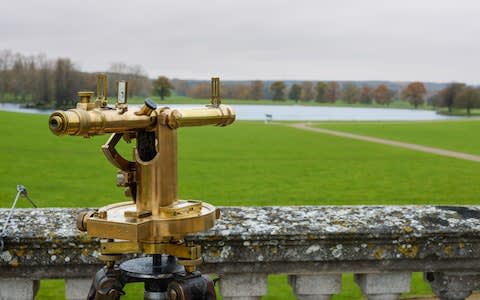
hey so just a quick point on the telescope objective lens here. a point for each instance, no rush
(56, 123)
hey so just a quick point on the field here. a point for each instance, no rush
(458, 135)
(250, 163)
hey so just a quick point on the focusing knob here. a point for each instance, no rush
(147, 108)
(150, 104)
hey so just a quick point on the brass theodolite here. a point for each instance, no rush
(155, 221)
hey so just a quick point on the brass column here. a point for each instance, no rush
(157, 179)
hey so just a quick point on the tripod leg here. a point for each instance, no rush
(195, 288)
(107, 285)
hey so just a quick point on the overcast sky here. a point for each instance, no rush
(428, 40)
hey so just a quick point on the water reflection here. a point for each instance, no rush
(298, 113)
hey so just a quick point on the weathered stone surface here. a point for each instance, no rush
(270, 240)
(45, 237)
(453, 285)
(18, 289)
(243, 286)
(77, 288)
(384, 285)
(315, 286)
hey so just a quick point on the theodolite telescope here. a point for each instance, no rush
(155, 221)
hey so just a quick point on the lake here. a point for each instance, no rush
(298, 113)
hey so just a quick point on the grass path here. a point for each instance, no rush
(432, 150)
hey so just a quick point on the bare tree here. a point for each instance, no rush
(449, 94)
(257, 90)
(307, 91)
(236, 91)
(350, 92)
(180, 86)
(278, 90)
(333, 91)
(118, 67)
(468, 98)
(321, 92)
(365, 95)
(42, 94)
(295, 92)
(6, 62)
(65, 94)
(199, 91)
(139, 83)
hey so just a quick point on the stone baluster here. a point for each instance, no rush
(383, 286)
(243, 286)
(77, 288)
(18, 289)
(315, 286)
(453, 285)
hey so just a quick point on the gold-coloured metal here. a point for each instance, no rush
(111, 222)
(145, 110)
(102, 90)
(85, 96)
(179, 250)
(84, 101)
(137, 214)
(155, 220)
(190, 264)
(82, 220)
(114, 157)
(99, 121)
(96, 121)
(215, 98)
(109, 259)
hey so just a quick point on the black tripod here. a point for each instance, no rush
(163, 277)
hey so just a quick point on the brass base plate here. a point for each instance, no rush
(112, 222)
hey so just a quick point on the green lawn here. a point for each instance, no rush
(248, 163)
(458, 135)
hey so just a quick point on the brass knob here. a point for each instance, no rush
(85, 96)
(82, 220)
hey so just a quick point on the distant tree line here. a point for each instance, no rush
(307, 91)
(254, 90)
(454, 95)
(457, 96)
(43, 82)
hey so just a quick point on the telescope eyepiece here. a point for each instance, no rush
(56, 124)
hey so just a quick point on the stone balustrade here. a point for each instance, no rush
(313, 245)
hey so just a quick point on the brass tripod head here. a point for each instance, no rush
(155, 221)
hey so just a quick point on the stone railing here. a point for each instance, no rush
(313, 245)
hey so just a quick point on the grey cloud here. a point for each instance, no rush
(341, 39)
